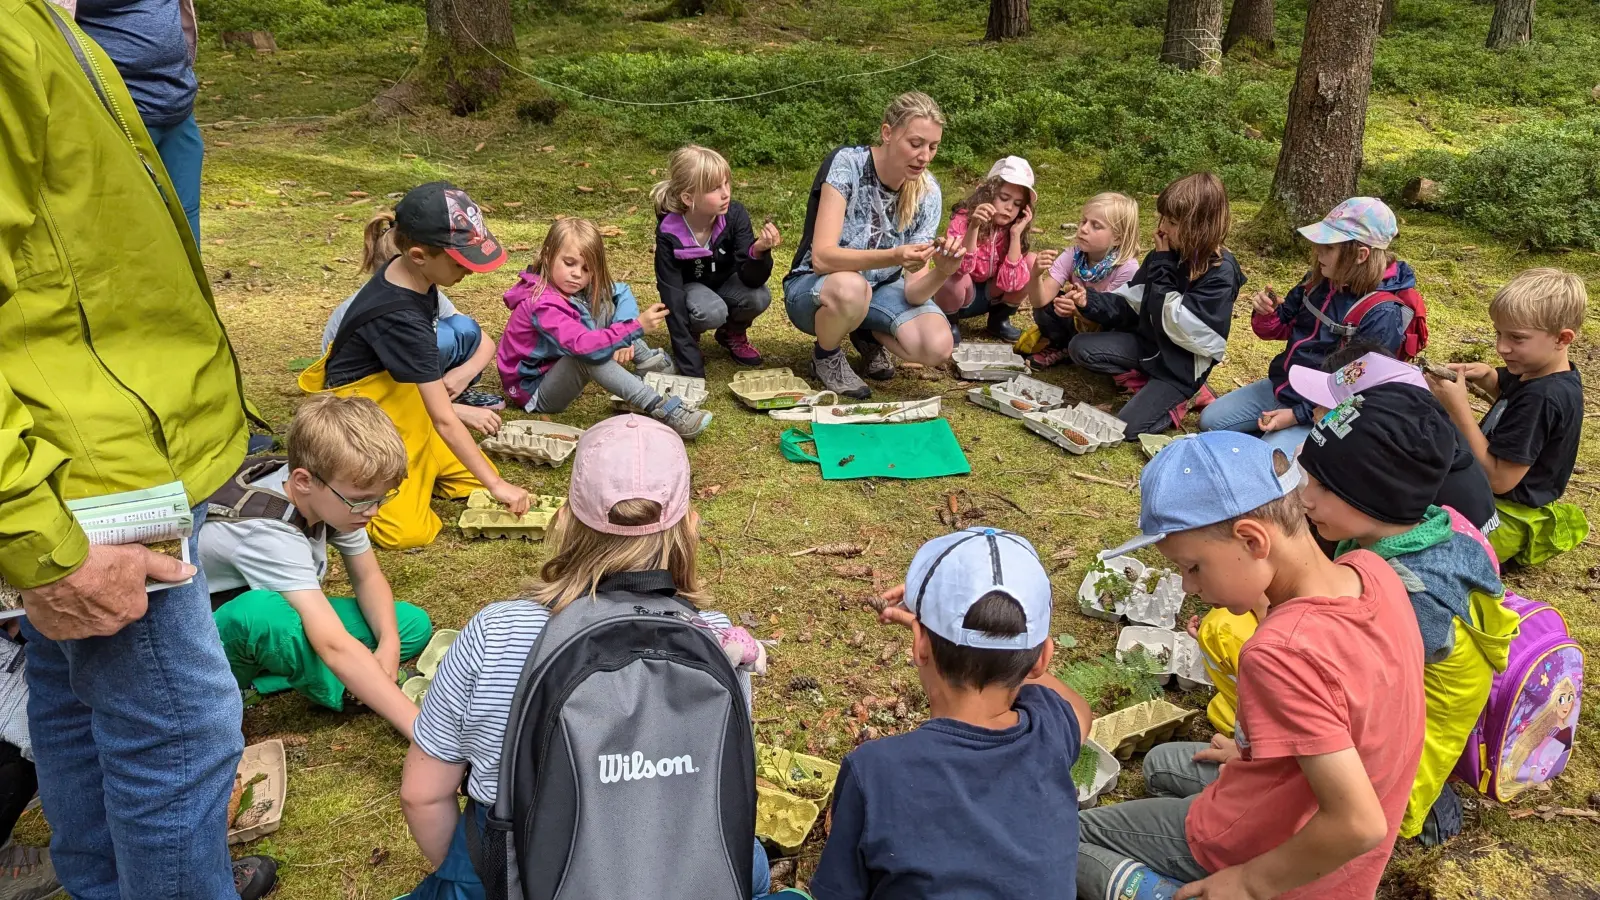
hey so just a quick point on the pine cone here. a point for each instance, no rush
(803, 683)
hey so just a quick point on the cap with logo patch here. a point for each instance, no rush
(1329, 389)
(1204, 479)
(954, 571)
(1385, 451)
(439, 214)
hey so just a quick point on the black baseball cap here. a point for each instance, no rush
(1385, 451)
(439, 214)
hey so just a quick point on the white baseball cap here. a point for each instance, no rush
(1015, 170)
(954, 571)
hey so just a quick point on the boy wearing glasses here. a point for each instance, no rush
(264, 550)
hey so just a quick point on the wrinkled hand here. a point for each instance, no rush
(104, 595)
(896, 613)
(1024, 219)
(652, 318)
(624, 355)
(1228, 884)
(483, 421)
(1276, 420)
(456, 380)
(1223, 750)
(1265, 301)
(768, 239)
(982, 214)
(1044, 261)
(515, 498)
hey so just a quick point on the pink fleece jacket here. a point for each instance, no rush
(545, 326)
(988, 259)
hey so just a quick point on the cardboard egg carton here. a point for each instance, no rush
(265, 812)
(783, 818)
(1077, 430)
(416, 687)
(1017, 396)
(980, 361)
(1106, 773)
(1139, 727)
(484, 517)
(1158, 606)
(1179, 654)
(433, 654)
(692, 391)
(1090, 601)
(533, 441)
(769, 388)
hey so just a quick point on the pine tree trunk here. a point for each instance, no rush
(1321, 153)
(1386, 18)
(1512, 25)
(1194, 35)
(1007, 19)
(464, 37)
(1251, 22)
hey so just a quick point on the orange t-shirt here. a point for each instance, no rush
(1320, 675)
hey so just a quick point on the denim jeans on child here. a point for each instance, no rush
(566, 379)
(1117, 838)
(182, 152)
(137, 741)
(1241, 408)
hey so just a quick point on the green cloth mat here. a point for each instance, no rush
(904, 450)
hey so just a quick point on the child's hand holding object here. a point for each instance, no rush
(1276, 420)
(652, 318)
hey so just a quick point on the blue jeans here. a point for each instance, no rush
(1239, 410)
(888, 310)
(182, 151)
(137, 741)
(459, 337)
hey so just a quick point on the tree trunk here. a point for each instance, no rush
(1194, 35)
(1321, 153)
(464, 39)
(1386, 18)
(1512, 25)
(1251, 22)
(1007, 19)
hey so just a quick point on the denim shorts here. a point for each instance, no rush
(802, 297)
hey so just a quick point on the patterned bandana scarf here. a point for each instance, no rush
(1093, 273)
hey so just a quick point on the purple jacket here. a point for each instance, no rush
(545, 326)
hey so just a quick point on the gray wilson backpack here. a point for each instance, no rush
(628, 768)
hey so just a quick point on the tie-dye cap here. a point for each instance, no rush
(1365, 219)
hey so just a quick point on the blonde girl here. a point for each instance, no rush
(872, 212)
(1104, 256)
(992, 226)
(627, 527)
(711, 265)
(567, 329)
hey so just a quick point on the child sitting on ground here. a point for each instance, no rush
(1306, 799)
(1528, 441)
(387, 349)
(1103, 257)
(1168, 327)
(992, 224)
(979, 800)
(1352, 267)
(565, 332)
(711, 266)
(627, 525)
(1375, 464)
(264, 553)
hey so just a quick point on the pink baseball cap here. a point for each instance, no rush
(629, 457)
(1015, 170)
(1329, 389)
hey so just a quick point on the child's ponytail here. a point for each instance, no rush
(378, 244)
(693, 170)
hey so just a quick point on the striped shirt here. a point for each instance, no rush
(464, 713)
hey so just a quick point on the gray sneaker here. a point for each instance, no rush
(875, 361)
(688, 423)
(653, 360)
(834, 371)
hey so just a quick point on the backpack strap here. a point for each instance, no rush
(1366, 303)
(354, 319)
(239, 499)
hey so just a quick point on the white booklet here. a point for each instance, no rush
(159, 517)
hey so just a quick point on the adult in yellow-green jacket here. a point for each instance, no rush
(115, 375)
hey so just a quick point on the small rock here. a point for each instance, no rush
(1421, 191)
(1253, 134)
(857, 639)
(803, 637)
(868, 733)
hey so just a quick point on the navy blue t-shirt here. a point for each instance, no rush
(145, 39)
(951, 810)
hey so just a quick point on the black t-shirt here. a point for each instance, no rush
(953, 810)
(1537, 423)
(401, 341)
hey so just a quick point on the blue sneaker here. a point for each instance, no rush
(1137, 881)
(481, 398)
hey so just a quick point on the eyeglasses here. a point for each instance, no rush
(358, 506)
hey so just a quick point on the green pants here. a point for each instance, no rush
(266, 643)
(1530, 535)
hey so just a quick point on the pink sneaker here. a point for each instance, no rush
(1048, 357)
(738, 346)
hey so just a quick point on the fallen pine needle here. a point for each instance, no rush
(752, 517)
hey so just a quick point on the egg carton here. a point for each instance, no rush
(787, 769)
(1075, 430)
(783, 818)
(1107, 771)
(1139, 727)
(433, 654)
(1189, 664)
(979, 361)
(1018, 395)
(416, 687)
(1158, 606)
(1089, 599)
(535, 441)
(1152, 444)
(692, 391)
(265, 812)
(1176, 650)
(862, 413)
(769, 388)
(484, 517)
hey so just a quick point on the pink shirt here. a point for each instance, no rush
(1062, 273)
(1321, 674)
(988, 259)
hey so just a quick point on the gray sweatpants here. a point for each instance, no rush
(567, 378)
(1145, 831)
(735, 303)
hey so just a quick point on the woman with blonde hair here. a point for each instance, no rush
(703, 240)
(873, 212)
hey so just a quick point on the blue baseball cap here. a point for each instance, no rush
(954, 571)
(1205, 479)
